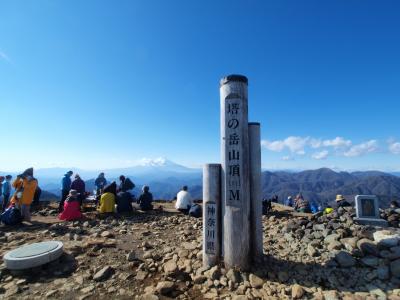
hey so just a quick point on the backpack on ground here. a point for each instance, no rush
(195, 211)
(11, 216)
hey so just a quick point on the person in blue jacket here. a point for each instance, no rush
(65, 188)
(6, 192)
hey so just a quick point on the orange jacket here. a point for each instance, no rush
(29, 188)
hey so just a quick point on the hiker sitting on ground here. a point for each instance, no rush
(6, 192)
(65, 188)
(392, 214)
(79, 185)
(302, 205)
(289, 201)
(183, 200)
(124, 202)
(107, 200)
(125, 184)
(341, 201)
(71, 207)
(145, 199)
(25, 187)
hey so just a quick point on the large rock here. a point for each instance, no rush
(213, 273)
(165, 287)
(386, 238)
(345, 260)
(367, 246)
(395, 268)
(233, 276)
(103, 274)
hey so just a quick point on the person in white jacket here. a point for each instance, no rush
(183, 200)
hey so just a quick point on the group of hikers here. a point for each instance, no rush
(109, 198)
(26, 191)
(301, 204)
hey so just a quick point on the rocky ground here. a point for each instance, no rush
(158, 255)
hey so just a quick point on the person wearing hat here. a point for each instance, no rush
(124, 202)
(25, 186)
(6, 191)
(72, 207)
(341, 201)
(145, 199)
(65, 188)
(79, 185)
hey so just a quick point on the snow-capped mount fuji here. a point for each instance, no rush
(161, 164)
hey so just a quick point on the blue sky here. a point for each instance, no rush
(96, 84)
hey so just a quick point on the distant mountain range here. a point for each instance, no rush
(322, 185)
(165, 179)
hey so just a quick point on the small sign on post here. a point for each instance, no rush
(211, 214)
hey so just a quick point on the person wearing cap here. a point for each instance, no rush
(65, 188)
(145, 199)
(289, 201)
(25, 186)
(183, 200)
(6, 191)
(341, 201)
(72, 206)
(79, 185)
(107, 199)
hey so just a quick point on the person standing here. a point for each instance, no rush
(79, 186)
(100, 183)
(183, 200)
(1, 188)
(25, 186)
(65, 188)
(6, 191)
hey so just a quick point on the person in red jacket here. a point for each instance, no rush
(72, 207)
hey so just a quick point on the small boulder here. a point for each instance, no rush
(367, 246)
(165, 287)
(395, 268)
(255, 281)
(103, 274)
(297, 291)
(345, 260)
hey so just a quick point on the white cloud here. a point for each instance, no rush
(287, 158)
(337, 142)
(321, 155)
(394, 147)
(295, 144)
(4, 56)
(362, 149)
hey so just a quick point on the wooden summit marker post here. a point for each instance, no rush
(235, 171)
